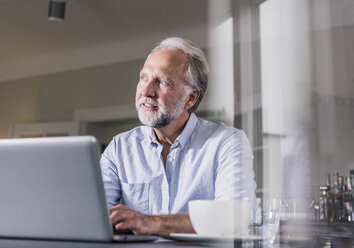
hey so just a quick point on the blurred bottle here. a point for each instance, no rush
(323, 208)
(340, 206)
(348, 200)
(352, 186)
(328, 180)
(334, 195)
(330, 202)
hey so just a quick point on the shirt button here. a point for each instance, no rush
(170, 159)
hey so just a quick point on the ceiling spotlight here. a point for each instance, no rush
(56, 10)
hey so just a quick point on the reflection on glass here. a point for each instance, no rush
(282, 71)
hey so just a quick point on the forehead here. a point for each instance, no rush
(167, 60)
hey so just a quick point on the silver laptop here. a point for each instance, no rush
(51, 188)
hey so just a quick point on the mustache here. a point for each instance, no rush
(148, 100)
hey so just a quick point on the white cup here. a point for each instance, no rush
(220, 218)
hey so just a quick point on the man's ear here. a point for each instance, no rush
(193, 98)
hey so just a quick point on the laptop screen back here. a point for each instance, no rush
(52, 188)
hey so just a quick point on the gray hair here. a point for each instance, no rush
(197, 66)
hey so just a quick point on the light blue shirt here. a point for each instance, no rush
(207, 161)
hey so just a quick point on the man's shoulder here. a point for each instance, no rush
(224, 137)
(217, 127)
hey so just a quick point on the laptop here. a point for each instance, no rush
(51, 188)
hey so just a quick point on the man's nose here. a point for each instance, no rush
(148, 88)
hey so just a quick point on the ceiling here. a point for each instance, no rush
(93, 32)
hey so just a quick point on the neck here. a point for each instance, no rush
(167, 135)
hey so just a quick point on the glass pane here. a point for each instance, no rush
(280, 70)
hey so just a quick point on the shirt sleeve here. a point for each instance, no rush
(234, 174)
(110, 175)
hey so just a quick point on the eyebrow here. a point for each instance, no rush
(155, 75)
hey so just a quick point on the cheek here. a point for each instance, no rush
(140, 88)
(137, 97)
(138, 91)
(167, 100)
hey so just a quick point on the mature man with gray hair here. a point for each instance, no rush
(152, 171)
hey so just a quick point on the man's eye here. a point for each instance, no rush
(162, 82)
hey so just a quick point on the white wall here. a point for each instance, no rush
(55, 97)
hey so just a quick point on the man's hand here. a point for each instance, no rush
(126, 220)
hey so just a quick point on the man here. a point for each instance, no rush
(154, 170)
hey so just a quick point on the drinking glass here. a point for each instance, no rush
(268, 227)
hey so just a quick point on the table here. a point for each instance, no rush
(26, 243)
(313, 243)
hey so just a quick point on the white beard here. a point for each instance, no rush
(164, 115)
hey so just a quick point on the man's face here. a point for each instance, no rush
(161, 93)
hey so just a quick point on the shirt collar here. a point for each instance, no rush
(183, 138)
